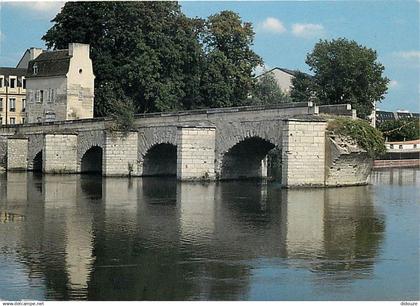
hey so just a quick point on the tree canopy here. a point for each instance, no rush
(153, 55)
(401, 129)
(345, 72)
(266, 91)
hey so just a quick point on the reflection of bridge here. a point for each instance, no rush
(210, 144)
(117, 239)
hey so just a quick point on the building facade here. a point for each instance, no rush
(12, 95)
(60, 85)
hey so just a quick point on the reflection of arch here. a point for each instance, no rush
(246, 159)
(160, 160)
(37, 162)
(91, 161)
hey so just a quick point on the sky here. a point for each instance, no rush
(285, 31)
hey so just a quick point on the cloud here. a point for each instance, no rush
(46, 8)
(308, 30)
(393, 84)
(408, 55)
(273, 25)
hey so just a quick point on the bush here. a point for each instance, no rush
(360, 131)
(123, 115)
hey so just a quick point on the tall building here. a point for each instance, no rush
(12, 95)
(60, 85)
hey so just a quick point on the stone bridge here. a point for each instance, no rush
(287, 142)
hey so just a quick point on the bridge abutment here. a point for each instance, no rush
(196, 152)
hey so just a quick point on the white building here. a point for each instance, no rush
(60, 84)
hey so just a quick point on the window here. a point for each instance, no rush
(52, 95)
(41, 94)
(35, 69)
(23, 105)
(23, 120)
(400, 147)
(1, 120)
(30, 95)
(23, 83)
(414, 146)
(12, 83)
(1, 104)
(12, 120)
(2, 81)
(391, 146)
(38, 96)
(12, 104)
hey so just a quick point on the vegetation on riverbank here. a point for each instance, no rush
(366, 136)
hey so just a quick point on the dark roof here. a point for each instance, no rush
(6, 71)
(386, 115)
(50, 63)
(288, 71)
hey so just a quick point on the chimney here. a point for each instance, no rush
(77, 49)
(34, 52)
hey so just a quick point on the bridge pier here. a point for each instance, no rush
(196, 152)
(303, 157)
(59, 153)
(120, 154)
(17, 153)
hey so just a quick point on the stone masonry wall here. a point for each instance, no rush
(346, 163)
(303, 154)
(17, 154)
(59, 154)
(120, 154)
(195, 153)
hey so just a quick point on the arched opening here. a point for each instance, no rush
(92, 161)
(248, 159)
(160, 160)
(37, 162)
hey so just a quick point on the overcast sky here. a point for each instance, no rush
(285, 32)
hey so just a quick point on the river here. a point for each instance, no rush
(80, 237)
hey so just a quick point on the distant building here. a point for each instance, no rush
(283, 77)
(60, 84)
(382, 116)
(12, 95)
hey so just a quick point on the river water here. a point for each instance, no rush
(89, 238)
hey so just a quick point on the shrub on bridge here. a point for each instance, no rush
(366, 136)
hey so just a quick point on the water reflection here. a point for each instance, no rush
(156, 239)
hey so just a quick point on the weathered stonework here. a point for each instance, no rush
(303, 155)
(120, 154)
(195, 152)
(59, 153)
(346, 163)
(17, 154)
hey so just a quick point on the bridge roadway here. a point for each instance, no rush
(286, 141)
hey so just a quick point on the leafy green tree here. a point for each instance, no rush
(346, 72)
(227, 74)
(401, 129)
(302, 88)
(266, 91)
(148, 52)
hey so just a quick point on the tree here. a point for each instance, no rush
(346, 72)
(144, 51)
(227, 76)
(266, 91)
(302, 88)
(401, 129)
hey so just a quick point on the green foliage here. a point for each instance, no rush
(302, 88)
(229, 61)
(266, 91)
(346, 72)
(122, 114)
(401, 129)
(366, 136)
(151, 53)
